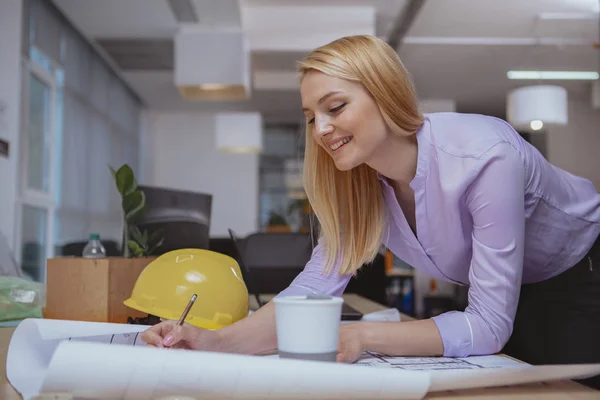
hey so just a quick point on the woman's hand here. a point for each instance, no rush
(186, 336)
(352, 342)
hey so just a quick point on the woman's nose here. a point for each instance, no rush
(323, 126)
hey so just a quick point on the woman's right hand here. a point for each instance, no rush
(186, 336)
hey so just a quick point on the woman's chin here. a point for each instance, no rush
(344, 165)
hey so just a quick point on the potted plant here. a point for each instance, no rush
(301, 211)
(88, 289)
(277, 223)
(133, 203)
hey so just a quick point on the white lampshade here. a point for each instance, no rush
(212, 64)
(239, 132)
(537, 103)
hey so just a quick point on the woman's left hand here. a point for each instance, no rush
(352, 342)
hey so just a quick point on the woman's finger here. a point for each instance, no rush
(156, 334)
(169, 334)
(152, 337)
(174, 336)
(341, 351)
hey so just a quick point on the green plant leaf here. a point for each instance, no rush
(134, 246)
(133, 205)
(137, 250)
(135, 233)
(277, 219)
(125, 180)
(156, 235)
(155, 246)
(145, 238)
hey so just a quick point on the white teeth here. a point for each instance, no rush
(340, 143)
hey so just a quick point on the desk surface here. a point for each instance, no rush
(562, 390)
(7, 392)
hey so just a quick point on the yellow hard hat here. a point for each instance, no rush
(166, 285)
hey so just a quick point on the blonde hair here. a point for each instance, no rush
(349, 204)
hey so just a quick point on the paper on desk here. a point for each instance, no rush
(472, 379)
(387, 315)
(101, 369)
(35, 340)
(479, 371)
(118, 372)
(438, 363)
(109, 361)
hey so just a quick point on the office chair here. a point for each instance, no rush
(271, 261)
(246, 274)
(276, 258)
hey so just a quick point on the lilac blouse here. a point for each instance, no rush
(491, 213)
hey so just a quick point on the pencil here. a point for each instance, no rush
(187, 310)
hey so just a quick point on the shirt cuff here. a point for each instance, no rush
(457, 335)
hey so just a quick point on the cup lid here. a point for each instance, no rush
(311, 299)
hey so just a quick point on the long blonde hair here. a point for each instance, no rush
(349, 204)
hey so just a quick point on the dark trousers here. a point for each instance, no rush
(558, 320)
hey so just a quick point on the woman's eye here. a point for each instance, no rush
(332, 110)
(338, 108)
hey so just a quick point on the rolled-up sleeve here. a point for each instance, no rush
(496, 202)
(313, 279)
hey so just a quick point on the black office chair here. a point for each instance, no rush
(371, 281)
(223, 245)
(276, 258)
(246, 273)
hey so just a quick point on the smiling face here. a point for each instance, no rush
(344, 118)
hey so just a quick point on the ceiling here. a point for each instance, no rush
(458, 50)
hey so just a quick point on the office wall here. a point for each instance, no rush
(10, 95)
(178, 151)
(576, 147)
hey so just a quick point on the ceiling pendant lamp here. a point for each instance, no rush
(530, 108)
(212, 64)
(239, 132)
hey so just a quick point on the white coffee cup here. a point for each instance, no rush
(308, 326)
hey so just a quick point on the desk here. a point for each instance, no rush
(7, 392)
(560, 390)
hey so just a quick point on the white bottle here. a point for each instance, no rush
(94, 248)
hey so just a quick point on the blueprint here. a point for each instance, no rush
(437, 363)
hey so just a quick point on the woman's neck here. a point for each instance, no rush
(396, 159)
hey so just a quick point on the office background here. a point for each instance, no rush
(85, 84)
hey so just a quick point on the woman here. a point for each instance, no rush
(462, 197)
